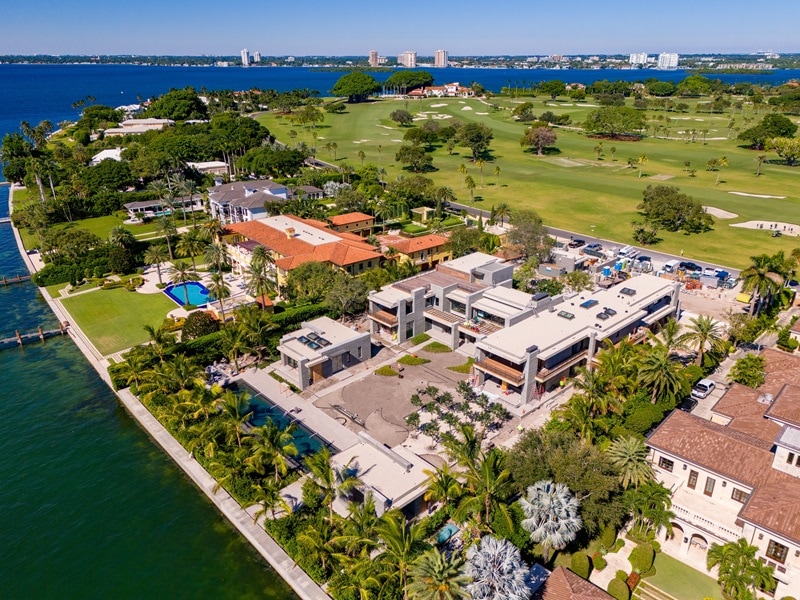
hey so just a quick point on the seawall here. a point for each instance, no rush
(305, 587)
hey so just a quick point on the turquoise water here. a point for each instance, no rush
(91, 507)
(446, 532)
(197, 293)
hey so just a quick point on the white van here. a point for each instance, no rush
(627, 252)
(672, 266)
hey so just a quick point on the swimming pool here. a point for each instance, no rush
(446, 532)
(198, 293)
(306, 441)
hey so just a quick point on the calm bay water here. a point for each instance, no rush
(91, 507)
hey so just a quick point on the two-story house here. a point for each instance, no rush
(355, 222)
(242, 201)
(738, 474)
(425, 251)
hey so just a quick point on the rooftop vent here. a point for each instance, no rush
(290, 233)
(603, 316)
(627, 292)
(765, 399)
(589, 303)
(609, 311)
(566, 315)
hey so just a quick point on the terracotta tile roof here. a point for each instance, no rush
(411, 245)
(775, 506)
(781, 368)
(741, 404)
(733, 454)
(345, 251)
(566, 585)
(348, 218)
(785, 407)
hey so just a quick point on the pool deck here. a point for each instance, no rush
(310, 416)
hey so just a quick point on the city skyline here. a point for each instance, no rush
(47, 27)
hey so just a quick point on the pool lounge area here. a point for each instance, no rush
(197, 292)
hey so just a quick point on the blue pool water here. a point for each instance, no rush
(198, 294)
(306, 441)
(446, 532)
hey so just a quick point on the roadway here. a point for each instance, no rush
(658, 258)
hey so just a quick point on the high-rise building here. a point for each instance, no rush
(256, 57)
(440, 58)
(373, 58)
(245, 58)
(407, 59)
(638, 58)
(667, 61)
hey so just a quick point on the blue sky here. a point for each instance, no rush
(353, 27)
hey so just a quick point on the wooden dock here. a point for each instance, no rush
(16, 279)
(21, 339)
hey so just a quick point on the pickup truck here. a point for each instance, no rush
(594, 250)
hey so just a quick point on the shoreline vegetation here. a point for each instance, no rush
(208, 432)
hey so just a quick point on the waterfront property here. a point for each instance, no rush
(141, 209)
(294, 241)
(138, 126)
(738, 474)
(196, 292)
(215, 167)
(536, 354)
(319, 349)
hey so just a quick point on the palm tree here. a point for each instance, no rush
(577, 414)
(764, 277)
(216, 256)
(328, 481)
(489, 487)
(190, 245)
(480, 162)
(641, 161)
(166, 228)
(187, 187)
(261, 257)
(671, 337)
(220, 290)
(551, 515)
(362, 155)
(629, 456)
(650, 505)
(443, 486)
(268, 495)
(502, 211)
(235, 411)
(271, 447)
(160, 339)
(315, 541)
(379, 148)
(119, 236)
(182, 273)
(721, 162)
(233, 342)
(156, 255)
(358, 535)
(462, 169)
(662, 374)
(213, 227)
(704, 334)
(259, 284)
(437, 576)
(593, 386)
(760, 161)
(496, 173)
(497, 571)
(741, 574)
(402, 542)
(470, 183)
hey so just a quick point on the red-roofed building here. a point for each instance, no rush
(738, 474)
(294, 241)
(425, 251)
(355, 222)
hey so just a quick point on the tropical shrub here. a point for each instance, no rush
(580, 565)
(599, 563)
(419, 339)
(642, 557)
(619, 589)
(198, 324)
(608, 536)
(295, 316)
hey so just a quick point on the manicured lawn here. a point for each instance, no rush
(569, 187)
(436, 348)
(114, 319)
(681, 581)
(412, 360)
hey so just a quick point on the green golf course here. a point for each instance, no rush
(569, 186)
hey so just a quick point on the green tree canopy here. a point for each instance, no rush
(178, 105)
(476, 137)
(749, 370)
(528, 231)
(409, 79)
(615, 121)
(666, 207)
(771, 126)
(357, 86)
(694, 85)
(310, 282)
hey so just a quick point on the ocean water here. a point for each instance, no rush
(91, 507)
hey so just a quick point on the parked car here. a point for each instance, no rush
(643, 258)
(703, 388)
(576, 243)
(690, 266)
(594, 250)
(688, 404)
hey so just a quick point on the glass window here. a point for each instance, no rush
(740, 495)
(790, 458)
(692, 479)
(359, 352)
(776, 551)
(709, 486)
(666, 464)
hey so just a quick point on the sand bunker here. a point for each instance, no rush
(769, 226)
(398, 141)
(589, 105)
(719, 213)
(441, 104)
(319, 137)
(386, 127)
(466, 108)
(360, 141)
(481, 113)
(566, 162)
(757, 195)
(461, 102)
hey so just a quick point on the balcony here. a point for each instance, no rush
(384, 317)
(482, 327)
(545, 374)
(501, 371)
(720, 531)
(442, 317)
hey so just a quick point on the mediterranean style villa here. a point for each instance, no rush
(737, 475)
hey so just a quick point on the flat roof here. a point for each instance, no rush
(396, 473)
(302, 231)
(325, 328)
(789, 437)
(466, 264)
(389, 296)
(509, 296)
(500, 309)
(570, 322)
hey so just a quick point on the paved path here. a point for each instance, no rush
(617, 561)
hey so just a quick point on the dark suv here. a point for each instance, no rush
(690, 266)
